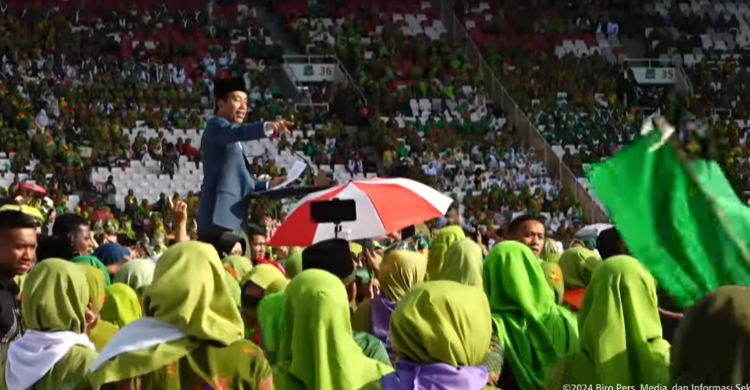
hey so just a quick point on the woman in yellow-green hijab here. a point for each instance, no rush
(240, 266)
(122, 305)
(233, 285)
(551, 258)
(317, 350)
(54, 353)
(553, 275)
(463, 263)
(400, 271)
(447, 236)
(441, 332)
(550, 248)
(293, 262)
(577, 265)
(620, 330)
(94, 262)
(264, 279)
(532, 328)
(271, 320)
(261, 278)
(104, 330)
(191, 335)
(137, 274)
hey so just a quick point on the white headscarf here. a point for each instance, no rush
(32, 356)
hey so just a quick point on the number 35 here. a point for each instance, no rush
(667, 74)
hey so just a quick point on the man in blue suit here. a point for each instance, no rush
(227, 180)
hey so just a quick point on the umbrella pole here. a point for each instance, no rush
(336, 229)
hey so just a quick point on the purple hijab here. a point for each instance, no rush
(382, 309)
(436, 376)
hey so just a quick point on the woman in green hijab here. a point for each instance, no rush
(264, 279)
(400, 271)
(55, 352)
(94, 262)
(463, 263)
(550, 248)
(553, 275)
(551, 258)
(260, 278)
(293, 263)
(137, 274)
(582, 243)
(271, 314)
(241, 265)
(577, 265)
(441, 332)
(620, 332)
(440, 245)
(122, 305)
(234, 287)
(317, 350)
(191, 335)
(712, 343)
(532, 328)
(104, 331)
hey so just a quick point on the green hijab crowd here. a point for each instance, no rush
(453, 319)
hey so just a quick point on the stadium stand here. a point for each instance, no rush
(429, 108)
(90, 115)
(486, 106)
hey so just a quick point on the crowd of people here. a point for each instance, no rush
(427, 104)
(431, 118)
(587, 106)
(576, 94)
(428, 108)
(90, 91)
(106, 283)
(435, 310)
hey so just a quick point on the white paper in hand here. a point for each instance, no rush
(294, 173)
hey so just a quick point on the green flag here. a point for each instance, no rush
(681, 219)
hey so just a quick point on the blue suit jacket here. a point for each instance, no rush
(226, 179)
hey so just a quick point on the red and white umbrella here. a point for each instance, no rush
(33, 187)
(383, 206)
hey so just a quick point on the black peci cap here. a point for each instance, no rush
(333, 256)
(222, 87)
(606, 243)
(223, 242)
